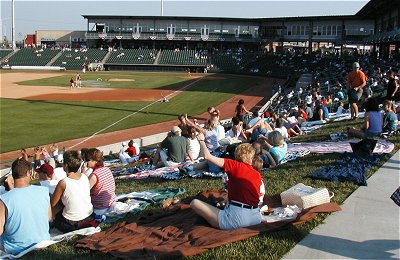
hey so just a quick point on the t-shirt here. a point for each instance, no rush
(50, 184)
(244, 182)
(132, 151)
(390, 121)
(355, 78)
(211, 139)
(103, 192)
(177, 147)
(27, 221)
(283, 131)
(279, 152)
(220, 130)
(194, 147)
(375, 122)
(76, 199)
(59, 173)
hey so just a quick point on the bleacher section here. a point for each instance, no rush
(32, 57)
(4, 53)
(75, 58)
(228, 61)
(183, 57)
(132, 56)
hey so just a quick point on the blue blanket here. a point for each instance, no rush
(350, 167)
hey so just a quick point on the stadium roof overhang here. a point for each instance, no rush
(376, 8)
(275, 19)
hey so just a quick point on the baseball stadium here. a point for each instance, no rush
(203, 137)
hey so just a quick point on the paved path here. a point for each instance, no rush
(366, 228)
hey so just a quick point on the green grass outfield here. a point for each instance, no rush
(27, 123)
(269, 246)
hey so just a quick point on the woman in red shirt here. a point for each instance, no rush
(243, 190)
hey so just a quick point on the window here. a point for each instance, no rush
(193, 30)
(217, 31)
(225, 31)
(184, 30)
(329, 30)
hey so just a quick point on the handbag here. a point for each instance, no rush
(305, 196)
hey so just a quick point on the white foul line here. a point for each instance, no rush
(134, 113)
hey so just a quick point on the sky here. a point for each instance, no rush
(31, 15)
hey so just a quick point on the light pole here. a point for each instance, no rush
(13, 26)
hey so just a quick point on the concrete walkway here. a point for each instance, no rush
(366, 228)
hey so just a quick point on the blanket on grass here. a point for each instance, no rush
(184, 170)
(55, 237)
(382, 146)
(350, 167)
(135, 202)
(178, 232)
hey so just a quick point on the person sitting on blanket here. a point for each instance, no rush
(263, 154)
(243, 190)
(194, 145)
(390, 119)
(236, 132)
(213, 132)
(123, 155)
(372, 122)
(320, 112)
(292, 125)
(173, 149)
(74, 194)
(276, 146)
(48, 177)
(258, 126)
(133, 149)
(340, 110)
(24, 211)
(102, 184)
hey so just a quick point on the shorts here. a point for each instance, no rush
(234, 217)
(354, 96)
(66, 225)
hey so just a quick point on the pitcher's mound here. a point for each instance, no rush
(121, 80)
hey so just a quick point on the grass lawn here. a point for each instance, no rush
(269, 246)
(139, 80)
(30, 123)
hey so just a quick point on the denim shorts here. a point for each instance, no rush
(234, 217)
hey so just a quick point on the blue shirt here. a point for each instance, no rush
(27, 221)
(390, 121)
(279, 152)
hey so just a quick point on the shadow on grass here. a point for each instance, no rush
(97, 107)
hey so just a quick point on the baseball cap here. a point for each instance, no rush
(266, 114)
(176, 129)
(46, 169)
(124, 144)
(356, 65)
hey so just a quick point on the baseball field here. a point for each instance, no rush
(40, 108)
